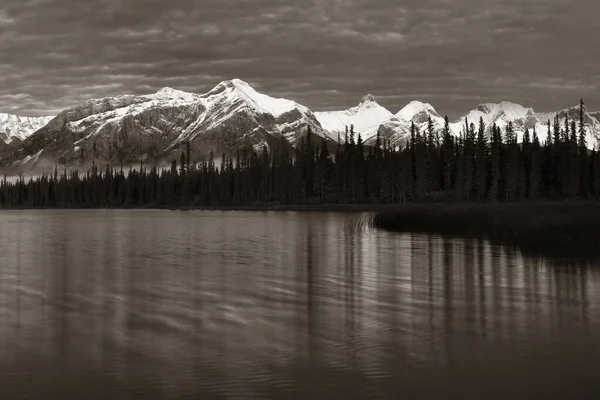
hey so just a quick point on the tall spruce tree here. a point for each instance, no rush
(447, 156)
(481, 162)
(535, 171)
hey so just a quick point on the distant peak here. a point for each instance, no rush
(419, 105)
(368, 99)
(237, 81)
(415, 107)
(232, 83)
(166, 89)
(484, 108)
(502, 105)
(169, 91)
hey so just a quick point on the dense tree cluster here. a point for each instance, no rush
(482, 164)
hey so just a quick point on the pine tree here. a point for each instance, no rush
(526, 161)
(495, 167)
(583, 164)
(535, 172)
(480, 162)
(595, 161)
(447, 156)
(182, 163)
(511, 165)
(187, 155)
(469, 152)
(582, 143)
(309, 163)
(459, 185)
(573, 162)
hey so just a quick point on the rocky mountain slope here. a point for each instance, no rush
(126, 129)
(231, 117)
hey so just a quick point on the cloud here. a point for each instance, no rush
(326, 54)
(5, 19)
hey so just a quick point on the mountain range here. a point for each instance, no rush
(232, 117)
(13, 127)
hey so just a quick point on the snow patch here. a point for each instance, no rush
(14, 126)
(366, 118)
(414, 108)
(236, 90)
(29, 159)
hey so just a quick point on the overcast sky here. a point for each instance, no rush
(325, 54)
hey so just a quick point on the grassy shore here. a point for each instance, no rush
(569, 229)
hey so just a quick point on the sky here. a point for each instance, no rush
(325, 54)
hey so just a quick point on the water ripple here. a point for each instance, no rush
(243, 305)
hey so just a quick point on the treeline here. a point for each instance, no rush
(484, 164)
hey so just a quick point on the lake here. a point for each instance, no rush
(120, 304)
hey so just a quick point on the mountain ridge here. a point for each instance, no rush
(366, 117)
(233, 117)
(15, 127)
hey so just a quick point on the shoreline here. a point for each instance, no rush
(326, 207)
(549, 228)
(565, 229)
(273, 207)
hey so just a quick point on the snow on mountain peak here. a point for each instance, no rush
(414, 108)
(366, 118)
(499, 114)
(239, 82)
(168, 93)
(368, 99)
(509, 110)
(13, 126)
(237, 89)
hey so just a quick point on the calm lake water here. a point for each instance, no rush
(238, 305)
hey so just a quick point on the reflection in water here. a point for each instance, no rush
(159, 304)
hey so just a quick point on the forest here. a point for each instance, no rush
(483, 164)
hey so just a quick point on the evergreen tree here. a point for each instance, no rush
(465, 167)
(535, 172)
(583, 164)
(495, 165)
(573, 160)
(182, 163)
(480, 163)
(526, 161)
(511, 165)
(447, 156)
(582, 143)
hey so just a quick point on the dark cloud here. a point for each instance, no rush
(326, 54)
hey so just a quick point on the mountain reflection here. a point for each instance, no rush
(227, 304)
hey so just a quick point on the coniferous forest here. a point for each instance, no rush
(484, 164)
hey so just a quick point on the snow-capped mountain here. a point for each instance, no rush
(231, 100)
(231, 117)
(524, 118)
(126, 129)
(500, 114)
(366, 118)
(13, 127)
(397, 129)
(591, 121)
(419, 113)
